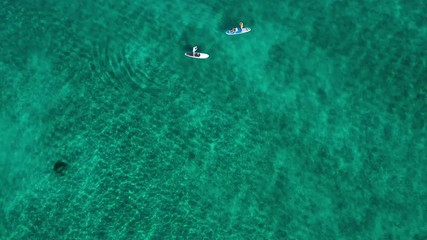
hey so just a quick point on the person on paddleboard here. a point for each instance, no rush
(236, 29)
(194, 52)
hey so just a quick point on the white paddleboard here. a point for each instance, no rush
(197, 55)
(239, 31)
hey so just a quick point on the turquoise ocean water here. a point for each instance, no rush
(311, 126)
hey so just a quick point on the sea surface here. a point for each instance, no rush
(311, 126)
